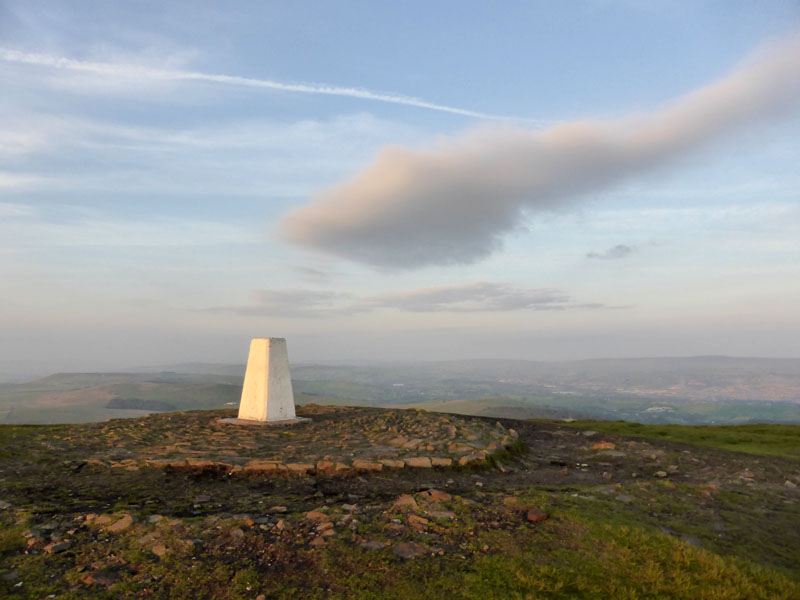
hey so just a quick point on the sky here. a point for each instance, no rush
(398, 181)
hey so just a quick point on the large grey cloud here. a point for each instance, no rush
(455, 203)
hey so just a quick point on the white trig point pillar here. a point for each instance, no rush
(267, 395)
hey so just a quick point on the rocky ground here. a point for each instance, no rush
(337, 440)
(363, 502)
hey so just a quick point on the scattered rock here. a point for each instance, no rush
(318, 542)
(277, 510)
(316, 516)
(418, 522)
(790, 484)
(367, 466)
(372, 545)
(57, 547)
(603, 446)
(436, 495)
(409, 550)
(104, 577)
(441, 514)
(159, 550)
(535, 515)
(299, 468)
(121, 525)
(472, 459)
(422, 462)
(661, 474)
(437, 461)
(406, 501)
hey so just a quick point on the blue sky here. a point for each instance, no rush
(377, 180)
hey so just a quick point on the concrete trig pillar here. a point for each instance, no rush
(267, 395)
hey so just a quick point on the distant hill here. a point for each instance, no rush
(705, 389)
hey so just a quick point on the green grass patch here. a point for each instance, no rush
(766, 439)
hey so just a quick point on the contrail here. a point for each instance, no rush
(131, 71)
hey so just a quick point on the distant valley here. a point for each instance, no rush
(658, 390)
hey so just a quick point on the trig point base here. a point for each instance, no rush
(267, 397)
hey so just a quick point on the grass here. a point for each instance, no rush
(579, 552)
(771, 440)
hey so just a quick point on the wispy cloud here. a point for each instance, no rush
(22, 226)
(615, 252)
(135, 72)
(456, 202)
(472, 297)
(230, 157)
(477, 296)
(13, 181)
(302, 303)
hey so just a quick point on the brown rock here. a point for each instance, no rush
(319, 542)
(392, 463)
(409, 550)
(121, 525)
(436, 496)
(422, 462)
(459, 448)
(418, 522)
(367, 466)
(441, 462)
(406, 501)
(471, 459)
(104, 577)
(57, 547)
(441, 514)
(535, 515)
(264, 466)
(412, 444)
(159, 550)
(299, 468)
(372, 545)
(603, 446)
(316, 516)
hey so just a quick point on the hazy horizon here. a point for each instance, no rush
(534, 182)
